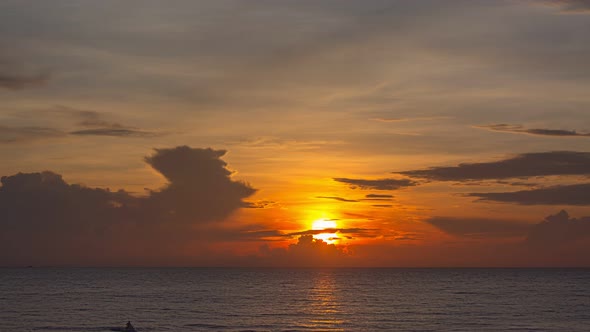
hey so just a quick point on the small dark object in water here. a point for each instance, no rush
(129, 327)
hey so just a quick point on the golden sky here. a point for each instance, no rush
(295, 133)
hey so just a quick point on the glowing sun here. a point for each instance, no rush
(322, 224)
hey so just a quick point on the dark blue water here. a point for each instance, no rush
(295, 299)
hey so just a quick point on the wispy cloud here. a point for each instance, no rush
(577, 194)
(28, 134)
(115, 132)
(378, 196)
(356, 232)
(519, 129)
(569, 6)
(19, 82)
(523, 165)
(336, 198)
(377, 184)
(426, 118)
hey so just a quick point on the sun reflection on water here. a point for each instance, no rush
(325, 306)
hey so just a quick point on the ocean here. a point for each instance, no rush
(258, 299)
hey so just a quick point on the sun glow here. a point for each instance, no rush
(322, 224)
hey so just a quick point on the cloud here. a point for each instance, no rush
(27, 134)
(570, 6)
(560, 230)
(338, 198)
(100, 127)
(261, 204)
(72, 224)
(517, 183)
(379, 184)
(378, 196)
(426, 118)
(479, 227)
(520, 166)
(577, 194)
(199, 183)
(93, 123)
(307, 252)
(19, 82)
(115, 132)
(519, 129)
(355, 232)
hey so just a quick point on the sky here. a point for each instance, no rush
(295, 133)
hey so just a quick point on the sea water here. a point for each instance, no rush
(242, 299)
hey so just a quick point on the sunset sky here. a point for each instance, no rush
(295, 133)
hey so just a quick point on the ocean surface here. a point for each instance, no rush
(220, 299)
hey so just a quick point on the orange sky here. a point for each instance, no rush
(219, 133)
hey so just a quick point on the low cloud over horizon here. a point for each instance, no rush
(70, 224)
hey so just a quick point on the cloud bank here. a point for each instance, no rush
(65, 223)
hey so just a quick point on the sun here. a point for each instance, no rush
(322, 224)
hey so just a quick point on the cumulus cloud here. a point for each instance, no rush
(560, 230)
(70, 223)
(520, 166)
(519, 129)
(576, 194)
(378, 184)
(479, 227)
(307, 252)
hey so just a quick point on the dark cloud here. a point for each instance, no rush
(27, 134)
(523, 165)
(341, 199)
(517, 183)
(20, 82)
(307, 252)
(540, 132)
(261, 204)
(382, 205)
(199, 183)
(93, 123)
(479, 227)
(560, 230)
(116, 132)
(379, 184)
(378, 196)
(570, 6)
(45, 220)
(98, 126)
(356, 232)
(576, 194)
